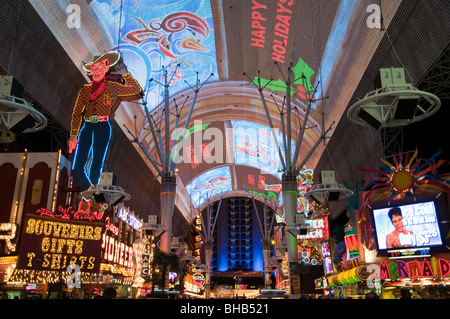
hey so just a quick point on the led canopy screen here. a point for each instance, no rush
(255, 145)
(417, 226)
(209, 184)
(154, 36)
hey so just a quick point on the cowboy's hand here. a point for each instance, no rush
(72, 143)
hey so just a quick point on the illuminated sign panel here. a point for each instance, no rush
(317, 229)
(152, 35)
(114, 250)
(128, 217)
(198, 280)
(8, 232)
(117, 252)
(211, 183)
(53, 244)
(327, 260)
(434, 268)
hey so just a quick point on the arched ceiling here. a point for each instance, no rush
(326, 44)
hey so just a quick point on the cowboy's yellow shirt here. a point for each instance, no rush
(107, 101)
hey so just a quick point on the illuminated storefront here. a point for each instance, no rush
(53, 236)
(416, 264)
(117, 253)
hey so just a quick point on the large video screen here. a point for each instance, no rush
(158, 35)
(407, 226)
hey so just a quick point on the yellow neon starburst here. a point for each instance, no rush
(405, 177)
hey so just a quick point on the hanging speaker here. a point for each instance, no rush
(121, 198)
(369, 119)
(303, 231)
(333, 196)
(406, 108)
(10, 86)
(100, 198)
(25, 123)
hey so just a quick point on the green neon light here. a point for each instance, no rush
(280, 86)
(290, 192)
(270, 195)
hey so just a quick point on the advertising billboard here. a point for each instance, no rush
(413, 225)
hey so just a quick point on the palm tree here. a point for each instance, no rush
(165, 262)
(153, 279)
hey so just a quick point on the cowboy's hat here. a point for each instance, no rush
(113, 58)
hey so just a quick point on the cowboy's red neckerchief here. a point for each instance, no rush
(97, 88)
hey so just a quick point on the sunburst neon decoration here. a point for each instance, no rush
(405, 177)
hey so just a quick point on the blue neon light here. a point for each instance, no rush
(91, 155)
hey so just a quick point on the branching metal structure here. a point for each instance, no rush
(165, 161)
(289, 158)
(207, 230)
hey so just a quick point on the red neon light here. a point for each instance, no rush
(261, 181)
(69, 213)
(444, 267)
(412, 269)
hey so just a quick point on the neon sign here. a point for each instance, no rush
(412, 269)
(90, 131)
(113, 250)
(128, 217)
(317, 229)
(198, 280)
(69, 213)
(54, 244)
(326, 254)
(117, 252)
